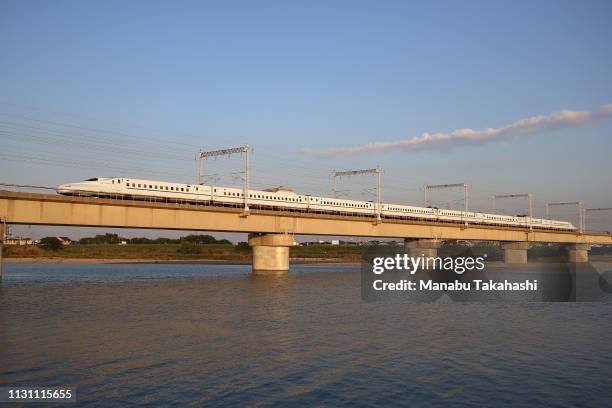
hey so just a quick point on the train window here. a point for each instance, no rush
(127, 184)
(139, 185)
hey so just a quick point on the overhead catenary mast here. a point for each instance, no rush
(577, 204)
(529, 197)
(243, 150)
(586, 211)
(465, 186)
(377, 170)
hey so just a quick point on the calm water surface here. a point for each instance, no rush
(203, 335)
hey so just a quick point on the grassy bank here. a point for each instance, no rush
(177, 252)
(174, 252)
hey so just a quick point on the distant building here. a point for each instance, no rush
(18, 241)
(335, 242)
(64, 240)
(123, 242)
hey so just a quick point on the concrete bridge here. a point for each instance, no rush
(271, 231)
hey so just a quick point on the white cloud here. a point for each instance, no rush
(463, 137)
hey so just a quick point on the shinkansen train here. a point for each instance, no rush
(285, 198)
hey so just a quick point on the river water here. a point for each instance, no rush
(214, 335)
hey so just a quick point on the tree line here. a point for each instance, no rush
(54, 243)
(116, 239)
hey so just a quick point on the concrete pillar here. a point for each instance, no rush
(270, 252)
(426, 247)
(578, 253)
(515, 252)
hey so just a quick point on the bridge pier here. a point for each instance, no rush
(515, 252)
(426, 247)
(270, 252)
(578, 253)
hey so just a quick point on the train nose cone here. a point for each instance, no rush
(63, 188)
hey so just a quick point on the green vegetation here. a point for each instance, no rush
(51, 244)
(116, 239)
(176, 251)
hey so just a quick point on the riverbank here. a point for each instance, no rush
(57, 260)
(240, 254)
(108, 253)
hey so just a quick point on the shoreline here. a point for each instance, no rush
(292, 261)
(93, 261)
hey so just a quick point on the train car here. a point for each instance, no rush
(336, 205)
(279, 197)
(137, 188)
(406, 211)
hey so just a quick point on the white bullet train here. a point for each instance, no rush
(285, 198)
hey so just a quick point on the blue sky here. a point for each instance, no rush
(151, 80)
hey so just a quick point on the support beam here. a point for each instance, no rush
(425, 247)
(270, 252)
(578, 253)
(515, 253)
